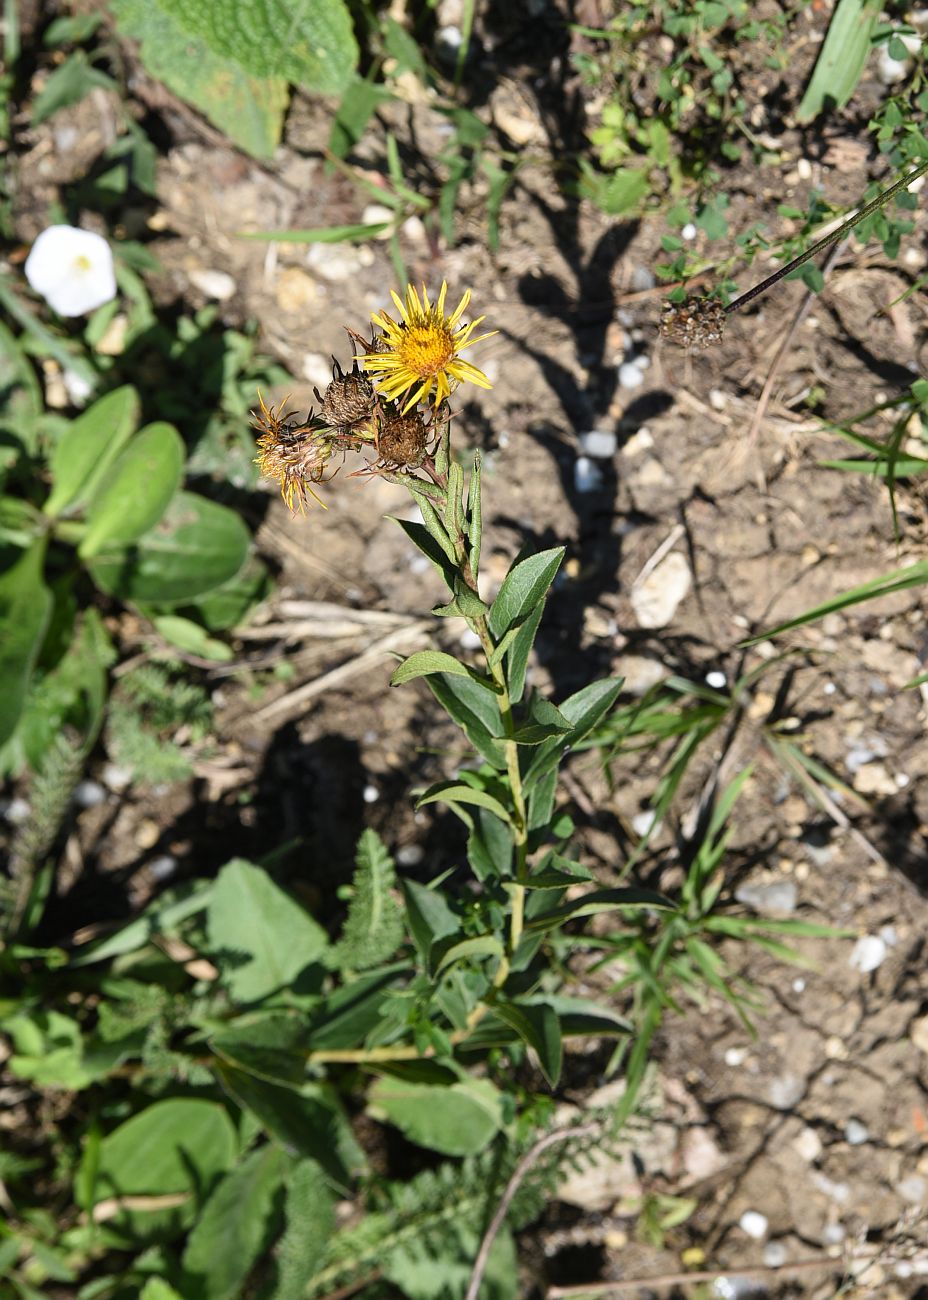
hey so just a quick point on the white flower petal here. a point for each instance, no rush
(72, 270)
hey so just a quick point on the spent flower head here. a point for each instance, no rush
(422, 358)
(292, 452)
(72, 269)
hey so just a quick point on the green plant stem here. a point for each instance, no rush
(839, 233)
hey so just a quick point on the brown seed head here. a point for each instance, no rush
(348, 400)
(693, 323)
(402, 441)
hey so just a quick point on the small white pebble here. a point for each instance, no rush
(17, 810)
(588, 477)
(829, 688)
(735, 1056)
(469, 640)
(799, 985)
(630, 375)
(807, 1144)
(775, 1254)
(643, 821)
(902, 780)
(601, 444)
(212, 284)
(377, 213)
(163, 867)
(371, 794)
(87, 794)
(410, 855)
(116, 778)
(889, 935)
(856, 1133)
(868, 954)
(754, 1224)
(913, 1189)
(833, 1234)
(717, 399)
(643, 362)
(688, 231)
(804, 169)
(718, 681)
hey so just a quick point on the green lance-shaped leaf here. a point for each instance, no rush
(459, 1120)
(373, 929)
(475, 516)
(423, 540)
(537, 1025)
(234, 1228)
(584, 709)
(523, 587)
(25, 611)
(136, 491)
(518, 652)
(457, 792)
(428, 915)
(196, 546)
(599, 900)
(84, 452)
(454, 502)
(842, 57)
(425, 662)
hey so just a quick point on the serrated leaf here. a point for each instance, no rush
(260, 937)
(249, 108)
(25, 612)
(84, 453)
(459, 1120)
(310, 42)
(235, 1227)
(373, 929)
(310, 1214)
(196, 546)
(537, 1025)
(136, 490)
(456, 792)
(523, 587)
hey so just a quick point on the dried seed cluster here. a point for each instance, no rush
(693, 323)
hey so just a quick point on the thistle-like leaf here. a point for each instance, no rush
(373, 929)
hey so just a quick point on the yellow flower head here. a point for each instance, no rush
(291, 452)
(420, 354)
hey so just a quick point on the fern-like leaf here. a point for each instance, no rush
(373, 929)
(310, 1223)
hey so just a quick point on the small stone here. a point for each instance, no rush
(688, 232)
(700, 1154)
(469, 640)
(804, 169)
(601, 444)
(718, 399)
(414, 230)
(776, 898)
(87, 794)
(775, 1254)
(735, 1056)
(640, 673)
(17, 810)
(643, 822)
(807, 1145)
(718, 681)
(212, 284)
(164, 867)
(376, 214)
(630, 375)
(147, 834)
(873, 778)
(913, 1189)
(754, 1224)
(835, 1048)
(655, 599)
(783, 1093)
(641, 441)
(798, 985)
(833, 1234)
(410, 855)
(117, 778)
(371, 794)
(338, 262)
(296, 290)
(868, 954)
(588, 477)
(919, 1034)
(856, 1133)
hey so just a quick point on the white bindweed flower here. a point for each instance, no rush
(72, 269)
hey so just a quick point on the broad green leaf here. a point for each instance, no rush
(841, 60)
(557, 873)
(476, 711)
(25, 613)
(271, 1047)
(599, 900)
(428, 915)
(248, 106)
(230, 604)
(260, 937)
(179, 1146)
(537, 1025)
(373, 929)
(525, 584)
(309, 42)
(198, 545)
(235, 1227)
(459, 1120)
(157, 1289)
(351, 1013)
(615, 192)
(310, 1214)
(579, 1017)
(193, 638)
(310, 1122)
(136, 490)
(489, 847)
(84, 454)
(424, 662)
(457, 792)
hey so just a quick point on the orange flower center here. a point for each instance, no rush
(425, 349)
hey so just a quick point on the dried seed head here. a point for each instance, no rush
(348, 399)
(295, 453)
(693, 323)
(401, 442)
